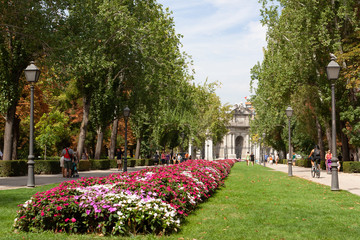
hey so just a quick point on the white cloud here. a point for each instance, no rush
(225, 39)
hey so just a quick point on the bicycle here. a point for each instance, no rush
(315, 170)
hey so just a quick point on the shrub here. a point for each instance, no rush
(84, 165)
(149, 162)
(351, 167)
(113, 163)
(13, 168)
(47, 167)
(139, 162)
(99, 164)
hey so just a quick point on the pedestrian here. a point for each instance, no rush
(156, 159)
(270, 159)
(328, 157)
(252, 158)
(163, 158)
(293, 159)
(118, 158)
(179, 158)
(247, 158)
(167, 158)
(62, 165)
(1, 155)
(84, 156)
(68, 154)
(276, 158)
(186, 156)
(315, 155)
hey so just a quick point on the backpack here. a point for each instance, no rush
(316, 153)
(67, 155)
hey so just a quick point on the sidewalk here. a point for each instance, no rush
(347, 181)
(20, 182)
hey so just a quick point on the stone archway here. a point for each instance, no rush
(239, 146)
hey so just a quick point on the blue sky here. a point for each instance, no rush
(225, 39)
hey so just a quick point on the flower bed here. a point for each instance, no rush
(151, 200)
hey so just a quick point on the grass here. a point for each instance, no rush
(256, 203)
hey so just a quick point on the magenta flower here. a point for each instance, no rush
(42, 213)
(73, 220)
(67, 219)
(58, 208)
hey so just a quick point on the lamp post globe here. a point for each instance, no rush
(126, 117)
(332, 71)
(32, 74)
(289, 113)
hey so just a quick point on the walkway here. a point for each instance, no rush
(20, 182)
(347, 181)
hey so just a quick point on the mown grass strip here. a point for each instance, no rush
(256, 203)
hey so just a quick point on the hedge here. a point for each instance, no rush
(351, 167)
(99, 164)
(20, 167)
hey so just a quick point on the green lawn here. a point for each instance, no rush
(256, 203)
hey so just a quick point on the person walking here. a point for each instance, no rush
(62, 165)
(163, 158)
(276, 158)
(118, 159)
(328, 157)
(247, 158)
(156, 159)
(252, 158)
(68, 154)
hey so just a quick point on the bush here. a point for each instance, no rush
(84, 165)
(47, 167)
(99, 164)
(13, 168)
(149, 162)
(351, 167)
(303, 163)
(113, 163)
(139, 162)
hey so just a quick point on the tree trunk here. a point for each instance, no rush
(320, 139)
(8, 134)
(100, 137)
(328, 136)
(16, 136)
(83, 127)
(113, 138)
(345, 143)
(138, 146)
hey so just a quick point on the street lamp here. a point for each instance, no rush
(32, 74)
(333, 70)
(289, 113)
(126, 117)
(263, 157)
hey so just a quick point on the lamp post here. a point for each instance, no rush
(126, 117)
(32, 74)
(263, 157)
(333, 70)
(289, 113)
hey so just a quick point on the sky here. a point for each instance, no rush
(225, 40)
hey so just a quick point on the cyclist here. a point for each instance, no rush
(315, 156)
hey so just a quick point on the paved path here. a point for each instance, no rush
(20, 182)
(347, 181)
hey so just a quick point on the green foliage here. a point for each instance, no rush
(47, 167)
(101, 164)
(84, 165)
(13, 168)
(52, 130)
(351, 167)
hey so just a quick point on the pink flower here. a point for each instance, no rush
(73, 220)
(42, 213)
(58, 208)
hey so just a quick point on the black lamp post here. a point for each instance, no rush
(289, 113)
(126, 118)
(263, 155)
(333, 70)
(32, 74)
